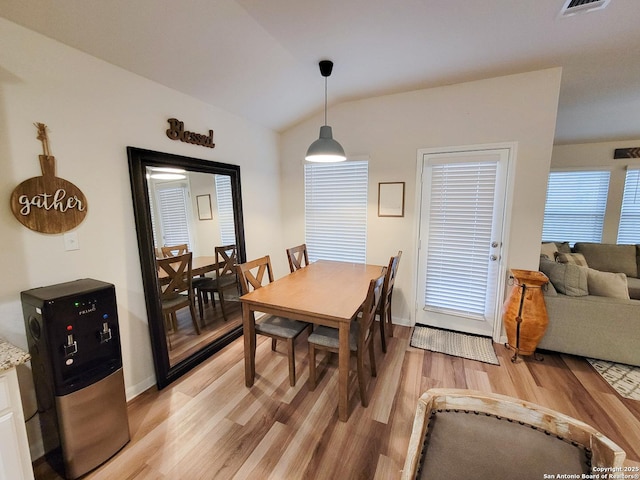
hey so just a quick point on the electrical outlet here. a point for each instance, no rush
(71, 241)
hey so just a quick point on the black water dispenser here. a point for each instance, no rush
(74, 342)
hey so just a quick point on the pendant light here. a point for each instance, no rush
(325, 149)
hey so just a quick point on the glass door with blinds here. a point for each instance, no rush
(629, 228)
(171, 227)
(461, 222)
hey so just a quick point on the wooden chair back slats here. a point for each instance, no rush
(175, 250)
(178, 270)
(370, 307)
(384, 310)
(252, 273)
(298, 257)
(226, 260)
(172, 293)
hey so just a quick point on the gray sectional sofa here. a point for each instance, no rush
(593, 300)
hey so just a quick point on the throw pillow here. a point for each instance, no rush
(573, 258)
(567, 278)
(549, 250)
(607, 284)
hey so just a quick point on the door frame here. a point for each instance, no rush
(512, 148)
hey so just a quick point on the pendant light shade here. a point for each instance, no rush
(325, 149)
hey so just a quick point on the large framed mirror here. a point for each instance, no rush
(196, 205)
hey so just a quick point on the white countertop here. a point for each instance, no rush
(11, 356)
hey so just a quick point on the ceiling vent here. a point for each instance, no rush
(573, 7)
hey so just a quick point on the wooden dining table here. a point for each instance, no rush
(199, 266)
(324, 293)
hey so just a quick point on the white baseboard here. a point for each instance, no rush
(134, 390)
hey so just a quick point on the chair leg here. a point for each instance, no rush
(200, 294)
(273, 344)
(224, 313)
(361, 380)
(292, 361)
(390, 323)
(372, 360)
(383, 335)
(312, 367)
(192, 309)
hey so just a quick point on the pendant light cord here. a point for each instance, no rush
(325, 100)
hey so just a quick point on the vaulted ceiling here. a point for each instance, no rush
(258, 58)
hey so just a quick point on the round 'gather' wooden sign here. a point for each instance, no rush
(48, 204)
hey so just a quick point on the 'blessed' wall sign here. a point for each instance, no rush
(176, 131)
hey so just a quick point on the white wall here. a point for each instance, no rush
(94, 111)
(600, 155)
(390, 129)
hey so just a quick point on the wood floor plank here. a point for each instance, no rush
(209, 425)
(389, 375)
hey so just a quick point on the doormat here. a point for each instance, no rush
(625, 379)
(472, 347)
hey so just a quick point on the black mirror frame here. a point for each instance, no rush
(139, 160)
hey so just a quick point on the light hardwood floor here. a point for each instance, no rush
(208, 425)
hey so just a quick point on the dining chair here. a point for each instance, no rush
(384, 310)
(361, 337)
(473, 434)
(177, 292)
(252, 277)
(174, 250)
(225, 278)
(297, 257)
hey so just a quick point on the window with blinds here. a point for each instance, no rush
(225, 210)
(461, 213)
(336, 210)
(174, 218)
(575, 206)
(629, 228)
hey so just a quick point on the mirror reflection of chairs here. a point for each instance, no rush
(360, 338)
(226, 278)
(253, 275)
(174, 251)
(177, 291)
(298, 257)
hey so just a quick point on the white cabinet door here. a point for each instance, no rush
(15, 461)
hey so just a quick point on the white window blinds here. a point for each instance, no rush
(225, 210)
(172, 206)
(461, 211)
(575, 207)
(629, 228)
(336, 211)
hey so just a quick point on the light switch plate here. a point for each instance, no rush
(71, 241)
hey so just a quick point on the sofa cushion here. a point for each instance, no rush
(607, 284)
(610, 257)
(568, 279)
(634, 287)
(573, 258)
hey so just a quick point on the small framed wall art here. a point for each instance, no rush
(391, 199)
(204, 207)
